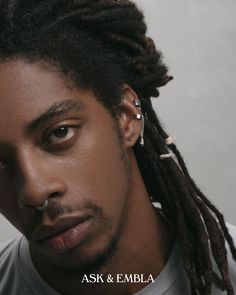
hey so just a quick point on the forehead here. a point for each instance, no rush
(30, 85)
(28, 90)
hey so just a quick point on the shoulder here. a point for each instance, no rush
(8, 254)
(8, 248)
(9, 273)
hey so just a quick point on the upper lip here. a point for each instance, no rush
(46, 231)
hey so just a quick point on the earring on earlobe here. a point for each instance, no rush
(142, 135)
(140, 117)
(137, 104)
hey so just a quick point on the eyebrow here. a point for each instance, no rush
(56, 111)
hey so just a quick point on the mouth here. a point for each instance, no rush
(64, 235)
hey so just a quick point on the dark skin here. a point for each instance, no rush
(81, 159)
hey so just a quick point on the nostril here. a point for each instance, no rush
(55, 195)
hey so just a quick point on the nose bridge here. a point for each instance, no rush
(27, 164)
(35, 184)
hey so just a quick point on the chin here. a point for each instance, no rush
(79, 262)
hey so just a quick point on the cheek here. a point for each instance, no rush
(109, 176)
(9, 206)
(98, 171)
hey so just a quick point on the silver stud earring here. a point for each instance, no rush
(138, 116)
(137, 103)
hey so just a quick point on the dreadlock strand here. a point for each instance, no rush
(182, 232)
(125, 41)
(162, 190)
(219, 215)
(208, 276)
(218, 247)
(227, 283)
(192, 214)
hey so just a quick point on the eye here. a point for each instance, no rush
(60, 135)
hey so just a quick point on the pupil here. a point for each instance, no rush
(61, 132)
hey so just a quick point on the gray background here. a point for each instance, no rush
(198, 40)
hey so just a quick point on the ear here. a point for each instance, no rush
(130, 126)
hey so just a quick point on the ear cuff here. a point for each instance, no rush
(137, 103)
(168, 141)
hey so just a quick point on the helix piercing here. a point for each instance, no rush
(137, 103)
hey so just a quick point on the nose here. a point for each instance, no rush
(38, 180)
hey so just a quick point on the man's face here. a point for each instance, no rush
(59, 143)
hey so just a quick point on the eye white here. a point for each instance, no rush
(61, 134)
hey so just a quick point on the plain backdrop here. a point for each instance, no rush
(198, 41)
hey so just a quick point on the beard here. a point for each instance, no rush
(74, 264)
(96, 263)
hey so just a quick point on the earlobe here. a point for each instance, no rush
(131, 119)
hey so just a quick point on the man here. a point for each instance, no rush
(83, 158)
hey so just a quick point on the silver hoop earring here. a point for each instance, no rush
(44, 206)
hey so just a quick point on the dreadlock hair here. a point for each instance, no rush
(102, 44)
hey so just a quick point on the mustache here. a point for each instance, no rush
(56, 210)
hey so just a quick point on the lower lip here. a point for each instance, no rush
(69, 238)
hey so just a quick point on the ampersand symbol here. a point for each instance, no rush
(110, 279)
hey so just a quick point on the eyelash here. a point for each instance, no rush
(63, 140)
